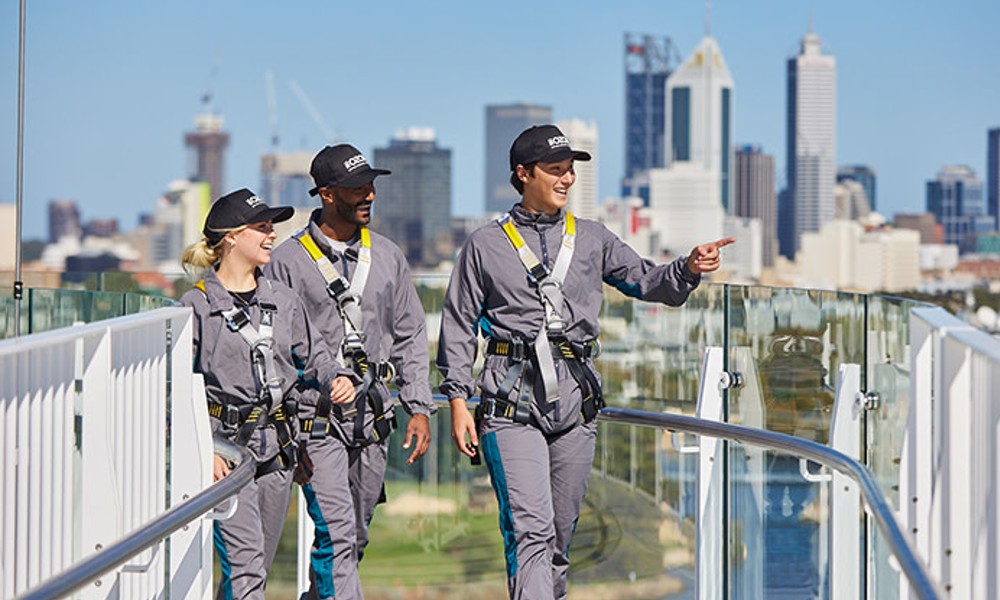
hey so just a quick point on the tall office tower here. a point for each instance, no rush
(582, 198)
(414, 203)
(207, 145)
(810, 136)
(285, 180)
(64, 220)
(503, 123)
(754, 196)
(865, 176)
(956, 199)
(993, 174)
(688, 199)
(699, 127)
(649, 60)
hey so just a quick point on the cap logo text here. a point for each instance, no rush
(254, 201)
(558, 141)
(354, 162)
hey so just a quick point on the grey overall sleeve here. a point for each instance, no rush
(457, 343)
(641, 278)
(409, 347)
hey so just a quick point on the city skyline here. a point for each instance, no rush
(111, 89)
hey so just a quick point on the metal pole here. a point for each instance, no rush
(19, 197)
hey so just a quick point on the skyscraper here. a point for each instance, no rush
(64, 220)
(582, 197)
(503, 123)
(207, 144)
(864, 175)
(285, 179)
(754, 196)
(956, 199)
(688, 199)
(649, 60)
(993, 175)
(699, 108)
(413, 205)
(810, 138)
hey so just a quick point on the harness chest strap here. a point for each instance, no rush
(549, 285)
(261, 342)
(346, 295)
(352, 354)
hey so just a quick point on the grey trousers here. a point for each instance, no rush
(341, 498)
(540, 481)
(247, 542)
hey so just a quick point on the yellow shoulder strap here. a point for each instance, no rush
(201, 286)
(310, 245)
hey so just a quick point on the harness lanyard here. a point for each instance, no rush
(261, 342)
(346, 295)
(549, 286)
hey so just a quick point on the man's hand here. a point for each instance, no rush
(303, 467)
(705, 258)
(463, 428)
(342, 390)
(419, 427)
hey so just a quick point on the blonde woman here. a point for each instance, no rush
(252, 343)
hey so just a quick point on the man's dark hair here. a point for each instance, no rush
(516, 181)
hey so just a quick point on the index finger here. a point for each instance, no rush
(723, 242)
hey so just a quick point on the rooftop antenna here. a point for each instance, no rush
(708, 18)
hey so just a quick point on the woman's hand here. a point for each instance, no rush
(220, 468)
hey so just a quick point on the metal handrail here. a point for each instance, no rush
(153, 532)
(920, 581)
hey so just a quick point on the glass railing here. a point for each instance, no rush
(439, 528)
(87, 297)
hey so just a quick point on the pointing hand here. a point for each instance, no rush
(705, 258)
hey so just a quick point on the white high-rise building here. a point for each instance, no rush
(689, 198)
(811, 137)
(843, 255)
(582, 197)
(699, 120)
(684, 206)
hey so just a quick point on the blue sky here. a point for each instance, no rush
(113, 85)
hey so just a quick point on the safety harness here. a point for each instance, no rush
(549, 345)
(269, 404)
(373, 392)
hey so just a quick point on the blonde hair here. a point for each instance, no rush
(200, 256)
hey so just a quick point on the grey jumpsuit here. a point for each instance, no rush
(247, 542)
(349, 473)
(539, 470)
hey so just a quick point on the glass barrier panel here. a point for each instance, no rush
(779, 528)
(437, 535)
(889, 377)
(788, 345)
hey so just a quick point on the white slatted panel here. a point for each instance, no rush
(64, 493)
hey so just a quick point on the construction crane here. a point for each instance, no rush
(312, 110)
(272, 109)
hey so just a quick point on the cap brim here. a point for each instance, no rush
(354, 181)
(274, 215)
(562, 154)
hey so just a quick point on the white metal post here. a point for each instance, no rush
(709, 559)
(845, 521)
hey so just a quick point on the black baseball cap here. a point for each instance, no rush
(342, 166)
(542, 143)
(241, 207)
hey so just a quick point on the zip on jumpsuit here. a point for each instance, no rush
(348, 457)
(247, 542)
(539, 465)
